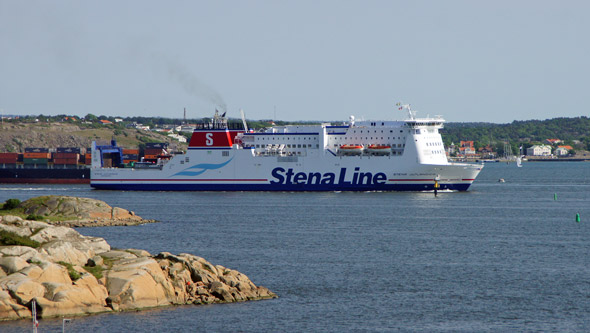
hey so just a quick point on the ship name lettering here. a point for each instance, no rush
(209, 137)
(290, 177)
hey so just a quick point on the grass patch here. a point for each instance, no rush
(10, 238)
(96, 271)
(74, 275)
(109, 262)
(33, 217)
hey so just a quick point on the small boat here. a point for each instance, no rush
(501, 180)
(379, 149)
(351, 149)
(519, 162)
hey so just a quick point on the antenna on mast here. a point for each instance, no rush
(244, 120)
(411, 114)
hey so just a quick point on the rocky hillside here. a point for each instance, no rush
(68, 274)
(15, 137)
(75, 212)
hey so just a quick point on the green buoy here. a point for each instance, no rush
(554, 196)
(578, 217)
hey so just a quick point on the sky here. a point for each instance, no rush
(469, 61)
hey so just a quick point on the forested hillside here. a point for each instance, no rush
(517, 133)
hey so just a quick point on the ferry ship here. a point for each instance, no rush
(406, 155)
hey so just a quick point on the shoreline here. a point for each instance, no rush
(69, 274)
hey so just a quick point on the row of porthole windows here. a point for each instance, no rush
(390, 131)
(366, 138)
(438, 151)
(292, 146)
(399, 145)
(283, 139)
(434, 143)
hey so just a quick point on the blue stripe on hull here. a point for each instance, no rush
(275, 187)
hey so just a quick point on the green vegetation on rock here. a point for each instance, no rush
(11, 204)
(74, 274)
(95, 270)
(10, 238)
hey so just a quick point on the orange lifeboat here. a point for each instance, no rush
(379, 149)
(351, 149)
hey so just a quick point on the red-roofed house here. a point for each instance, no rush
(563, 150)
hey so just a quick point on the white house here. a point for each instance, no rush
(539, 150)
(561, 151)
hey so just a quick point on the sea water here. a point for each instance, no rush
(504, 256)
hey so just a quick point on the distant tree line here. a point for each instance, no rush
(520, 133)
(516, 134)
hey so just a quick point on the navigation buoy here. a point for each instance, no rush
(578, 217)
(554, 196)
(436, 185)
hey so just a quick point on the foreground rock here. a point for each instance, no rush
(79, 212)
(56, 274)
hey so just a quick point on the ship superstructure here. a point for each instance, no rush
(352, 156)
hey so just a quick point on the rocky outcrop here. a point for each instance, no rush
(70, 274)
(79, 212)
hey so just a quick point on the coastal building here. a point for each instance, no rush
(563, 150)
(539, 150)
(487, 152)
(552, 141)
(467, 148)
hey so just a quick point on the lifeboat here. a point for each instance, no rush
(379, 149)
(351, 149)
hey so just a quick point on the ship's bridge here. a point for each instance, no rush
(437, 122)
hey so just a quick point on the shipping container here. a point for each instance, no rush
(131, 151)
(131, 157)
(36, 150)
(74, 150)
(88, 159)
(151, 157)
(65, 161)
(8, 158)
(36, 155)
(66, 155)
(35, 161)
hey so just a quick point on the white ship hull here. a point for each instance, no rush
(226, 160)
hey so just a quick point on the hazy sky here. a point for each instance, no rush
(493, 61)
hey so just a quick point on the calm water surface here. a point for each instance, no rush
(501, 257)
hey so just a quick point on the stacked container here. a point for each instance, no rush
(8, 158)
(130, 155)
(88, 156)
(153, 150)
(36, 156)
(66, 156)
